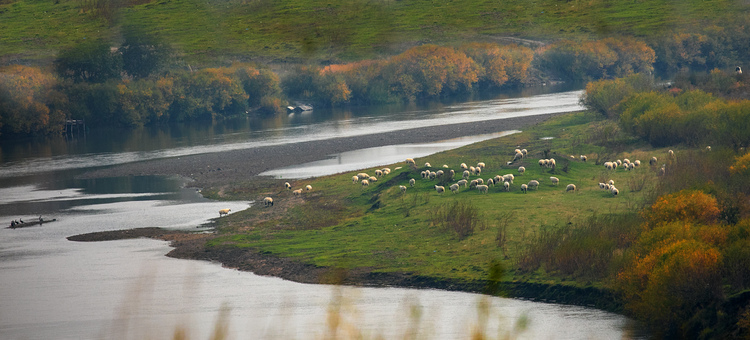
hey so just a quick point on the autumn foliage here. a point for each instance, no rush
(686, 205)
(30, 102)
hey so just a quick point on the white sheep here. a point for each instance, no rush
(372, 179)
(524, 188)
(299, 191)
(570, 187)
(631, 166)
(464, 166)
(473, 183)
(410, 161)
(466, 174)
(355, 179)
(518, 151)
(670, 153)
(619, 162)
(480, 165)
(427, 165)
(611, 182)
(491, 182)
(652, 161)
(452, 173)
(364, 183)
(552, 163)
(663, 170)
(509, 178)
(363, 175)
(482, 188)
(433, 175)
(378, 173)
(541, 162)
(412, 182)
(445, 166)
(521, 170)
(477, 171)
(440, 189)
(506, 186)
(480, 181)
(454, 188)
(223, 212)
(615, 192)
(554, 180)
(268, 202)
(473, 170)
(626, 161)
(308, 187)
(708, 148)
(524, 152)
(424, 174)
(637, 163)
(517, 156)
(498, 179)
(602, 185)
(608, 165)
(287, 185)
(463, 182)
(386, 171)
(403, 188)
(439, 173)
(533, 184)
(584, 158)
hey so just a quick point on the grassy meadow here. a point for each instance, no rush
(377, 228)
(295, 30)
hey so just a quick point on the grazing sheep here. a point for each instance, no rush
(518, 151)
(412, 182)
(464, 167)
(584, 158)
(355, 179)
(552, 163)
(424, 174)
(454, 188)
(533, 184)
(403, 188)
(607, 186)
(299, 191)
(452, 173)
(570, 187)
(498, 179)
(477, 171)
(521, 170)
(652, 161)
(397, 168)
(637, 163)
(619, 162)
(663, 170)
(287, 185)
(615, 192)
(482, 188)
(608, 165)
(378, 173)
(439, 173)
(480, 181)
(524, 188)
(541, 162)
(386, 171)
(738, 70)
(670, 153)
(602, 185)
(626, 161)
(445, 166)
(363, 175)
(268, 202)
(508, 178)
(480, 165)
(308, 187)
(473, 170)
(466, 174)
(427, 165)
(517, 156)
(433, 174)
(473, 183)
(491, 182)
(463, 182)
(410, 161)
(506, 186)
(708, 148)
(440, 189)
(611, 182)
(524, 152)
(223, 212)
(631, 166)
(364, 183)
(554, 180)
(373, 179)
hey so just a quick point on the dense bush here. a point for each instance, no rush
(30, 102)
(590, 60)
(603, 95)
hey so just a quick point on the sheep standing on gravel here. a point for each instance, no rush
(223, 212)
(482, 188)
(521, 170)
(554, 180)
(524, 188)
(570, 187)
(440, 189)
(403, 188)
(412, 182)
(268, 202)
(287, 185)
(454, 188)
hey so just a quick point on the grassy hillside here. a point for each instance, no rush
(342, 225)
(334, 30)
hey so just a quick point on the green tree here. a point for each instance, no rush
(90, 61)
(143, 54)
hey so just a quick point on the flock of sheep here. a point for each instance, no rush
(482, 185)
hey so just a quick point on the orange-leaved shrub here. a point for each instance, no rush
(685, 205)
(29, 101)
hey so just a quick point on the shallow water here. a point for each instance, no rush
(57, 289)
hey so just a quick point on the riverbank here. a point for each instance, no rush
(222, 168)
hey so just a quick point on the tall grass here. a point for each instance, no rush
(459, 217)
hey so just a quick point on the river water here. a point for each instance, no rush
(57, 289)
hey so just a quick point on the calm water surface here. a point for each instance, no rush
(57, 289)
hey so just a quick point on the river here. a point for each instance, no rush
(57, 289)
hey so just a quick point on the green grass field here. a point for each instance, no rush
(297, 30)
(377, 228)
